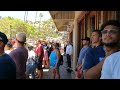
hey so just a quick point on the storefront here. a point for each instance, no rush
(81, 24)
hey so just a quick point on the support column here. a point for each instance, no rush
(75, 43)
(69, 38)
(104, 16)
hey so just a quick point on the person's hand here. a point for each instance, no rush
(79, 67)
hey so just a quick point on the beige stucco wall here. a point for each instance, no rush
(75, 39)
(77, 13)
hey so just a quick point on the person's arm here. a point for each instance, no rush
(46, 55)
(58, 57)
(71, 50)
(40, 50)
(81, 56)
(89, 63)
(11, 54)
(94, 72)
(88, 59)
(66, 50)
(79, 67)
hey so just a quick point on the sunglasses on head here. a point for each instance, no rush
(111, 32)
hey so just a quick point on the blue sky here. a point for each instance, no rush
(31, 15)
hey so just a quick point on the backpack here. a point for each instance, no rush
(61, 60)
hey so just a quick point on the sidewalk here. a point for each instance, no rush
(63, 73)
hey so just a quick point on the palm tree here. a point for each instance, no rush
(26, 16)
(40, 15)
(36, 16)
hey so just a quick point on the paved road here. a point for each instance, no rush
(63, 73)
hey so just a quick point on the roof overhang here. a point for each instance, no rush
(63, 19)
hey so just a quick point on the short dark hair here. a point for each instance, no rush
(30, 48)
(39, 41)
(3, 38)
(9, 44)
(98, 31)
(86, 38)
(110, 22)
(57, 44)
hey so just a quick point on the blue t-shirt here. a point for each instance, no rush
(7, 67)
(93, 57)
(82, 55)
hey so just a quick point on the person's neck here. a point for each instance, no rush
(85, 46)
(20, 45)
(96, 44)
(110, 50)
(2, 53)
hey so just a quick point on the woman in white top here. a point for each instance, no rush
(30, 64)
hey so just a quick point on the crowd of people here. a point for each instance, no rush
(19, 61)
(98, 58)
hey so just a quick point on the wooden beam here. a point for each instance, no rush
(64, 15)
(62, 24)
(63, 28)
(53, 13)
(60, 20)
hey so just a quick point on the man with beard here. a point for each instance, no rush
(111, 38)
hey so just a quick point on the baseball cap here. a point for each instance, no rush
(3, 38)
(86, 38)
(20, 36)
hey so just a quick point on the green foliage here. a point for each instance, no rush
(10, 26)
(48, 28)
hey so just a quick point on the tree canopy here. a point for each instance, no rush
(10, 26)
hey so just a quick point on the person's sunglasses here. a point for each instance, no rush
(111, 32)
